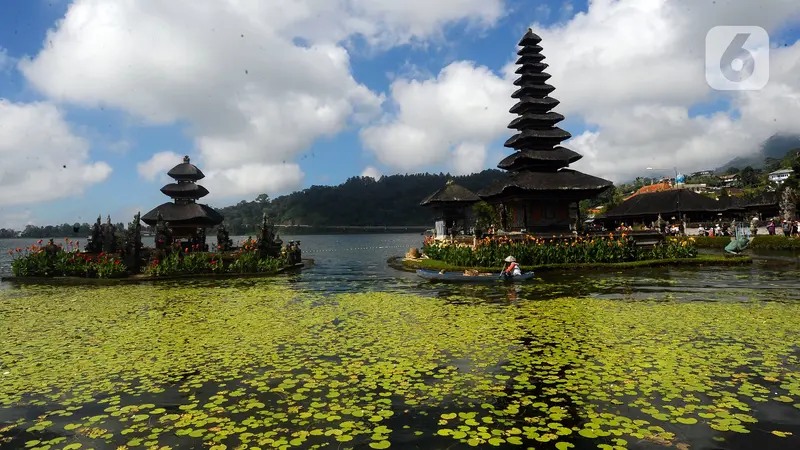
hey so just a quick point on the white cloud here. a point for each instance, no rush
(158, 165)
(15, 220)
(442, 120)
(631, 69)
(230, 70)
(372, 172)
(41, 159)
(251, 178)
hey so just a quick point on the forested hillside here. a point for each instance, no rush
(360, 201)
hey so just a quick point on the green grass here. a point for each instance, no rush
(699, 260)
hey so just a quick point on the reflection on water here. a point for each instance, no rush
(699, 358)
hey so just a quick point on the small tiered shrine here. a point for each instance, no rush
(452, 206)
(541, 194)
(184, 217)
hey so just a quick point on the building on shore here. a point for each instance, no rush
(671, 204)
(186, 218)
(452, 206)
(779, 176)
(676, 205)
(541, 194)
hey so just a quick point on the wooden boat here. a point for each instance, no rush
(459, 276)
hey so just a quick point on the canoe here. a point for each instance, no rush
(459, 276)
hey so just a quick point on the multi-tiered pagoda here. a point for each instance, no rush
(186, 217)
(541, 194)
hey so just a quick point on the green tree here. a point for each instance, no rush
(748, 177)
(485, 216)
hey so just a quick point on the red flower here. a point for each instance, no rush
(213, 262)
(101, 254)
(116, 263)
(19, 249)
(10, 252)
(219, 247)
(187, 249)
(39, 241)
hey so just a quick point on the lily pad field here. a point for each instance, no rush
(603, 360)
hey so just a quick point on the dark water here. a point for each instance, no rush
(357, 263)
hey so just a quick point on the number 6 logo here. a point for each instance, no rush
(737, 58)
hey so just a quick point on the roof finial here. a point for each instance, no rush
(186, 159)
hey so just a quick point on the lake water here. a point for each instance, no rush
(353, 354)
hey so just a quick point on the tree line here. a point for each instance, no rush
(76, 230)
(360, 201)
(394, 200)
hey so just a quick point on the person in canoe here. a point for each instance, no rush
(512, 269)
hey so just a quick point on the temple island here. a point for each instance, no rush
(533, 214)
(180, 248)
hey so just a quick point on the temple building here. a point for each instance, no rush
(186, 217)
(452, 206)
(541, 194)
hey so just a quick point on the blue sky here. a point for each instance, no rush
(121, 139)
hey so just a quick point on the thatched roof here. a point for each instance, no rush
(558, 157)
(737, 203)
(451, 194)
(663, 202)
(186, 171)
(565, 181)
(184, 190)
(184, 215)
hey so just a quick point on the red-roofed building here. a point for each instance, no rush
(655, 187)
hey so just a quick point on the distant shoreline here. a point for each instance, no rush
(291, 231)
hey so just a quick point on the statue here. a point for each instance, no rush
(788, 204)
(737, 245)
(133, 244)
(660, 224)
(201, 239)
(163, 233)
(754, 226)
(293, 253)
(95, 244)
(224, 242)
(266, 239)
(109, 238)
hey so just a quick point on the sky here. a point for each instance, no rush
(100, 98)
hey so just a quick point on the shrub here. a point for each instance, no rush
(64, 260)
(537, 251)
(244, 260)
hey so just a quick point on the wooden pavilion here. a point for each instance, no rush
(186, 217)
(541, 194)
(452, 205)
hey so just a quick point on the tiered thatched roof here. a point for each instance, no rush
(539, 165)
(184, 211)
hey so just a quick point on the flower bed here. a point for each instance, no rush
(243, 260)
(64, 260)
(67, 260)
(533, 251)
